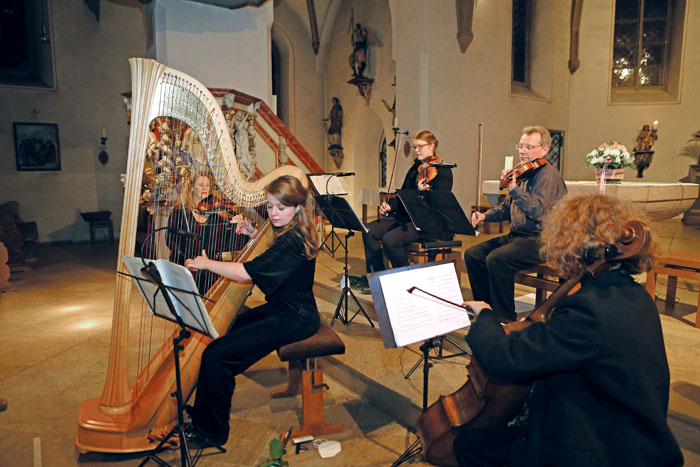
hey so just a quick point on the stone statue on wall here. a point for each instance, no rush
(335, 128)
(360, 38)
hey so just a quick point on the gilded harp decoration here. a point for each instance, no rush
(178, 135)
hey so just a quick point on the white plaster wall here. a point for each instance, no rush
(307, 83)
(362, 124)
(221, 48)
(593, 120)
(92, 71)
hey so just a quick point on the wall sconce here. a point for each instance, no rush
(642, 151)
(103, 156)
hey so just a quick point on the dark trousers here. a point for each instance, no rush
(393, 237)
(492, 266)
(254, 334)
(482, 447)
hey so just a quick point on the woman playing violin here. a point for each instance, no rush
(393, 232)
(601, 378)
(215, 230)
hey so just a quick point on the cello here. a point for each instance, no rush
(483, 402)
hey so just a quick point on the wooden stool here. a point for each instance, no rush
(545, 280)
(98, 220)
(425, 252)
(309, 382)
(675, 264)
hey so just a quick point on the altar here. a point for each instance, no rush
(659, 201)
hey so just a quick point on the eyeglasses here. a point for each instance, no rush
(419, 147)
(526, 147)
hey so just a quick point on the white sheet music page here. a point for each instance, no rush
(416, 316)
(329, 184)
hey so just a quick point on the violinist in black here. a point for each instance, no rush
(212, 231)
(393, 232)
(492, 265)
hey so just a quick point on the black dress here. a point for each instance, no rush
(286, 277)
(393, 234)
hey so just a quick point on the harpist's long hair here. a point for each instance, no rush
(290, 192)
(580, 223)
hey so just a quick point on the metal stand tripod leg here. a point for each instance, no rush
(439, 356)
(347, 292)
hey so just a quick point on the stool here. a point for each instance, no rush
(309, 382)
(675, 264)
(98, 220)
(425, 252)
(545, 280)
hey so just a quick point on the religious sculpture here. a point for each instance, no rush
(642, 151)
(335, 128)
(360, 39)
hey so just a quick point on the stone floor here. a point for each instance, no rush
(55, 330)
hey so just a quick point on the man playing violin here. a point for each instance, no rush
(601, 377)
(393, 232)
(492, 265)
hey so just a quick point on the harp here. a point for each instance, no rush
(136, 403)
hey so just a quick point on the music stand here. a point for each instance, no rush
(329, 184)
(171, 294)
(405, 317)
(340, 214)
(436, 214)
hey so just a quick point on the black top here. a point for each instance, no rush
(529, 200)
(601, 377)
(441, 182)
(217, 235)
(285, 275)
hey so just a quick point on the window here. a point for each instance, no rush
(641, 43)
(520, 52)
(25, 33)
(647, 50)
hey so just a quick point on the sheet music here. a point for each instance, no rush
(415, 316)
(335, 185)
(189, 307)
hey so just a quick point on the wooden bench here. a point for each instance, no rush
(675, 264)
(542, 277)
(309, 382)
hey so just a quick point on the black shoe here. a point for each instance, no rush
(197, 439)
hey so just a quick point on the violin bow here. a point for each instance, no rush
(397, 141)
(480, 132)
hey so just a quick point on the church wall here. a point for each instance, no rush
(306, 84)
(219, 47)
(594, 120)
(92, 70)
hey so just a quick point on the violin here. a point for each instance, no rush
(521, 171)
(426, 173)
(213, 205)
(483, 402)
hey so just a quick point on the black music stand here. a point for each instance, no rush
(424, 317)
(436, 214)
(330, 184)
(340, 215)
(178, 301)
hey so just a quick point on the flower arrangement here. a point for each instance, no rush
(611, 155)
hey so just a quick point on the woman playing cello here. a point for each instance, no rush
(395, 232)
(601, 378)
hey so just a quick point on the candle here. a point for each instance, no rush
(655, 125)
(104, 132)
(509, 163)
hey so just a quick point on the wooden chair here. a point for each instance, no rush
(675, 264)
(542, 277)
(309, 382)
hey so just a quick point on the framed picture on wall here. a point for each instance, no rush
(36, 146)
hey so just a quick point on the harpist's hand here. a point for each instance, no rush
(476, 307)
(200, 262)
(246, 227)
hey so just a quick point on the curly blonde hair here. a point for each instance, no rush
(580, 223)
(290, 192)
